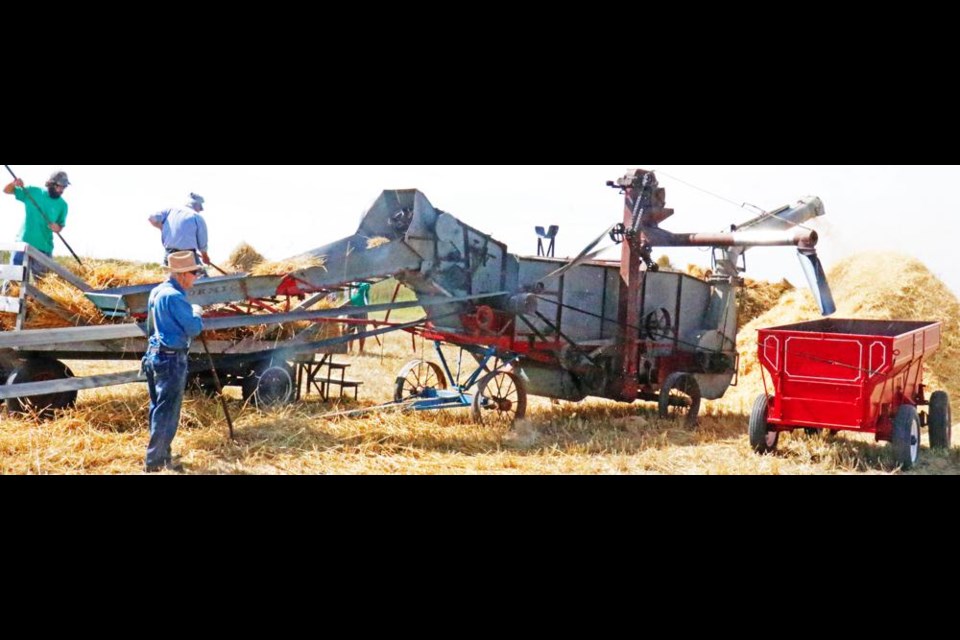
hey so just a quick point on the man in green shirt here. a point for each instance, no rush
(38, 228)
(359, 297)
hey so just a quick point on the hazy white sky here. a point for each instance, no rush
(283, 211)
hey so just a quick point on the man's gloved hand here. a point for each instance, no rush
(197, 310)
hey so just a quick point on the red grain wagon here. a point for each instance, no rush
(850, 375)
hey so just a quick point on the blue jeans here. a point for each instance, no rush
(166, 379)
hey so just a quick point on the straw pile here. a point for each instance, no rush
(868, 286)
(379, 241)
(244, 258)
(100, 274)
(111, 274)
(697, 271)
(285, 267)
(757, 297)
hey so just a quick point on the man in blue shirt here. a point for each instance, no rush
(183, 229)
(172, 323)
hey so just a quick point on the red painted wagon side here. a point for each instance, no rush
(853, 375)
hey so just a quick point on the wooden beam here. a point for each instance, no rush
(68, 384)
(57, 268)
(9, 305)
(11, 272)
(22, 313)
(40, 337)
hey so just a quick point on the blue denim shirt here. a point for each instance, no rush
(174, 323)
(183, 229)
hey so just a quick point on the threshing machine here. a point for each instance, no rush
(565, 329)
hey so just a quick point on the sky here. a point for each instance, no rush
(285, 210)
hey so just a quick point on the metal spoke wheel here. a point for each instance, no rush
(41, 370)
(680, 398)
(501, 398)
(416, 377)
(271, 385)
(906, 436)
(941, 423)
(763, 439)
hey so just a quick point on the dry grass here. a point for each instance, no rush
(107, 432)
(378, 241)
(244, 258)
(285, 267)
(757, 297)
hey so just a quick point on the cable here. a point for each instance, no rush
(742, 205)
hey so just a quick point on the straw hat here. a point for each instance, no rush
(182, 262)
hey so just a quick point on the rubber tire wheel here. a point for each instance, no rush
(41, 370)
(203, 384)
(906, 436)
(271, 385)
(687, 385)
(414, 377)
(941, 423)
(762, 438)
(509, 408)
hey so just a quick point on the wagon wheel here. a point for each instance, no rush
(501, 399)
(271, 385)
(658, 324)
(763, 439)
(906, 436)
(203, 384)
(415, 377)
(941, 424)
(680, 398)
(41, 370)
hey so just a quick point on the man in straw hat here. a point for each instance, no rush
(183, 229)
(172, 323)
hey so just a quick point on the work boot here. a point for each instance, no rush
(169, 465)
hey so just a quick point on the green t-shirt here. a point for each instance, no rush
(360, 296)
(35, 231)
